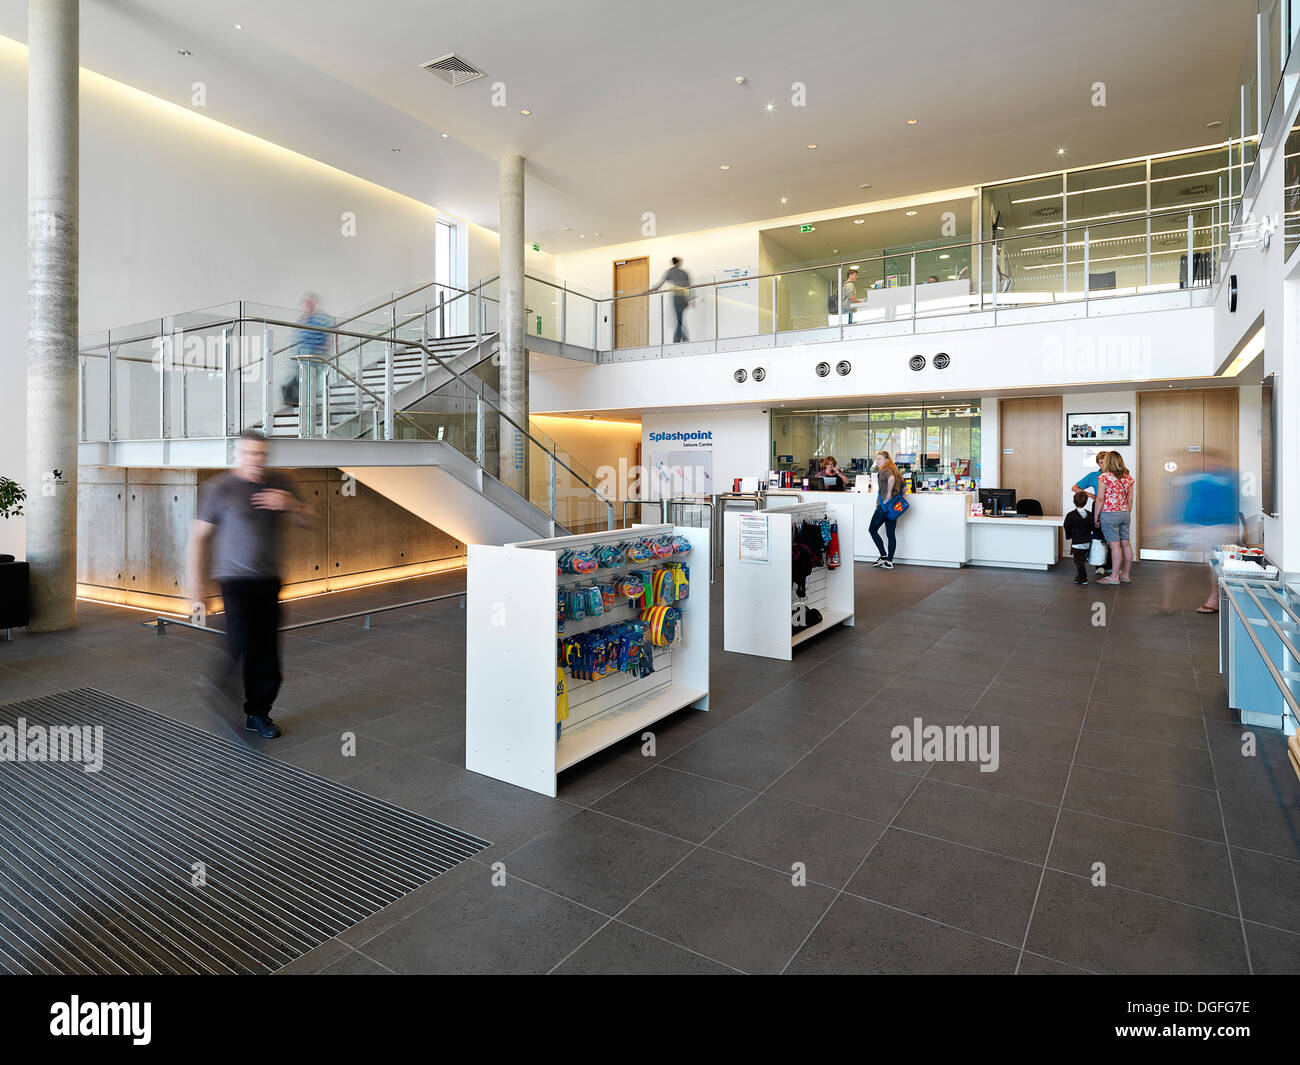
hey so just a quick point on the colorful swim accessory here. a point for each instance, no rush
(611, 556)
(661, 624)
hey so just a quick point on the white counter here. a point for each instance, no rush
(1022, 542)
(931, 533)
(938, 531)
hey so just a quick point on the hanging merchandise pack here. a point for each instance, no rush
(611, 649)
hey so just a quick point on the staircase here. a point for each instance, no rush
(353, 411)
(427, 437)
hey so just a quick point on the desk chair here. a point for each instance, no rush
(1030, 508)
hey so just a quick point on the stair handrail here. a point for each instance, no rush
(469, 382)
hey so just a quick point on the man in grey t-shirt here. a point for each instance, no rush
(236, 540)
(679, 283)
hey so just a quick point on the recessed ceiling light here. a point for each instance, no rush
(858, 221)
(910, 213)
(582, 236)
(566, 229)
(1213, 125)
(444, 134)
(183, 51)
(769, 107)
(944, 256)
(238, 26)
(725, 166)
(740, 79)
(835, 251)
(1060, 151)
(785, 199)
(866, 186)
(911, 121)
(526, 111)
(812, 147)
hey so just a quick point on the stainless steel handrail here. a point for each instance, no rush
(665, 505)
(160, 623)
(469, 383)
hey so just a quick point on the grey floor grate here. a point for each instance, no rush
(96, 869)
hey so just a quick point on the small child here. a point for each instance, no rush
(1078, 531)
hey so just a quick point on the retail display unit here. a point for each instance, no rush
(514, 641)
(760, 594)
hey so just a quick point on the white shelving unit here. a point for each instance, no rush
(758, 597)
(510, 660)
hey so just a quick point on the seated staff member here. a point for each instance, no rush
(1088, 483)
(890, 483)
(838, 478)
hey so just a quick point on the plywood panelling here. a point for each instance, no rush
(1176, 432)
(631, 316)
(1031, 437)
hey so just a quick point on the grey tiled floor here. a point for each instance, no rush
(1117, 747)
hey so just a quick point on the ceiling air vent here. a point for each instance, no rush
(1047, 212)
(1199, 189)
(823, 369)
(452, 69)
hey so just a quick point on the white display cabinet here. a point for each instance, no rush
(510, 659)
(759, 596)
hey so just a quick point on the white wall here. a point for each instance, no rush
(739, 442)
(180, 213)
(1118, 349)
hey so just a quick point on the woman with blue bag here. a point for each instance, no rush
(890, 503)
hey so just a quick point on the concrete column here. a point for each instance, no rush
(52, 161)
(514, 356)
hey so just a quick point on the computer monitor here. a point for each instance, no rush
(906, 458)
(996, 500)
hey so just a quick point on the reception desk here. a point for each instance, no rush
(937, 530)
(1025, 542)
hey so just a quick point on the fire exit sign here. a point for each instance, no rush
(805, 229)
(536, 247)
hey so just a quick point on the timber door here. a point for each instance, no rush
(631, 315)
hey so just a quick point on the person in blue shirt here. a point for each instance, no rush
(308, 340)
(1088, 483)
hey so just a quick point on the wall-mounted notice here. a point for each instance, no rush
(754, 540)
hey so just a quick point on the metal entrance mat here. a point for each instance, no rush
(184, 853)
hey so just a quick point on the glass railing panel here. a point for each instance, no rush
(804, 299)
(92, 366)
(1111, 261)
(137, 387)
(542, 309)
(738, 310)
(194, 380)
(945, 282)
(1030, 270)
(579, 319)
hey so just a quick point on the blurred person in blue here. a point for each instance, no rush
(310, 341)
(1204, 510)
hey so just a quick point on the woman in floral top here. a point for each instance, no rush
(1114, 509)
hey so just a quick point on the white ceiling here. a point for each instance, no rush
(635, 107)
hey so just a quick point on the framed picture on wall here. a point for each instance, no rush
(1095, 430)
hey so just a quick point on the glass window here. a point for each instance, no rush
(934, 443)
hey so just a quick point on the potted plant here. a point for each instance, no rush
(13, 575)
(12, 496)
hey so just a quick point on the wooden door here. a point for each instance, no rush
(631, 316)
(1030, 436)
(1175, 430)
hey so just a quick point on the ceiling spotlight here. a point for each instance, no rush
(582, 236)
(444, 134)
(1213, 125)
(835, 251)
(785, 199)
(944, 255)
(769, 108)
(183, 51)
(911, 121)
(740, 79)
(725, 166)
(238, 26)
(526, 111)
(812, 147)
(910, 214)
(858, 221)
(595, 234)
(866, 186)
(1060, 151)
